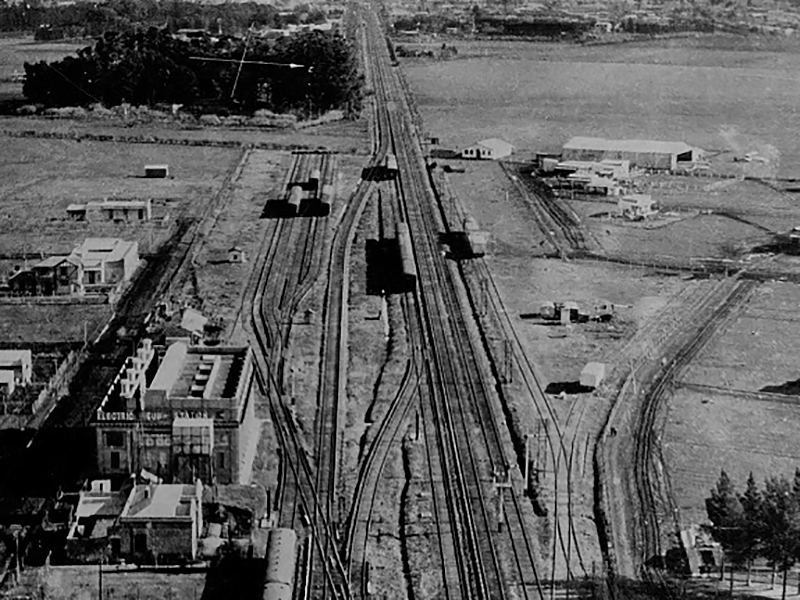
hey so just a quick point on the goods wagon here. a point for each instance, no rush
(295, 197)
(390, 165)
(277, 591)
(313, 179)
(281, 545)
(326, 199)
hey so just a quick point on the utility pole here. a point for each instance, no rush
(501, 487)
(527, 461)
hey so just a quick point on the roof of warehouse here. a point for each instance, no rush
(496, 144)
(643, 146)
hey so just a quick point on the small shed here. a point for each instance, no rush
(568, 312)
(547, 310)
(636, 206)
(593, 374)
(491, 149)
(236, 255)
(156, 171)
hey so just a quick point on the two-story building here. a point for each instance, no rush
(182, 412)
(97, 264)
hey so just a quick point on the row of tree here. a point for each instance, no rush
(757, 522)
(90, 19)
(153, 67)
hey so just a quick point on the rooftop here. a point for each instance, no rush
(201, 372)
(100, 504)
(14, 357)
(163, 501)
(640, 146)
(112, 248)
(495, 144)
(54, 261)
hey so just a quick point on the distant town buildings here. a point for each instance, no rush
(95, 266)
(489, 149)
(182, 412)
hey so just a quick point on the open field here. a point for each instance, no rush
(705, 433)
(538, 95)
(40, 178)
(759, 348)
(20, 323)
(16, 51)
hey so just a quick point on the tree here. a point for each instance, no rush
(727, 518)
(780, 519)
(753, 530)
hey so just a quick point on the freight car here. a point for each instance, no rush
(313, 179)
(390, 166)
(294, 200)
(281, 547)
(407, 267)
(326, 199)
(277, 591)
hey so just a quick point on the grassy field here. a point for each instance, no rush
(714, 95)
(758, 349)
(40, 178)
(706, 433)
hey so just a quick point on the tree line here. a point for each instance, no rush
(90, 19)
(758, 522)
(150, 67)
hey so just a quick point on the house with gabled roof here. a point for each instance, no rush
(489, 149)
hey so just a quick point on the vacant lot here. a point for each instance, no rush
(40, 178)
(46, 324)
(538, 95)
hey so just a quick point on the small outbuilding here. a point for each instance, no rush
(592, 374)
(636, 206)
(236, 255)
(156, 171)
(489, 149)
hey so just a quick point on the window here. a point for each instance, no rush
(115, 439)
(115, 460)
(220, 460)
(140, 543)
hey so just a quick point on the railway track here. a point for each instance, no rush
(561, 225)
(651, 498)
(291, 264)
(564, 440)
(459, 395)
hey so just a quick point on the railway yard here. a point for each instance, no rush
(422, 327)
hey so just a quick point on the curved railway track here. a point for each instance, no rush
(649, 489)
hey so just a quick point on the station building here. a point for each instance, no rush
(182, 412)
(490, 149)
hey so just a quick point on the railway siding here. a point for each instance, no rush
(630, 470)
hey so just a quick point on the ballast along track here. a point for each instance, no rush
(459, 400)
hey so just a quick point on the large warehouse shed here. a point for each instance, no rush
(646, 154)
